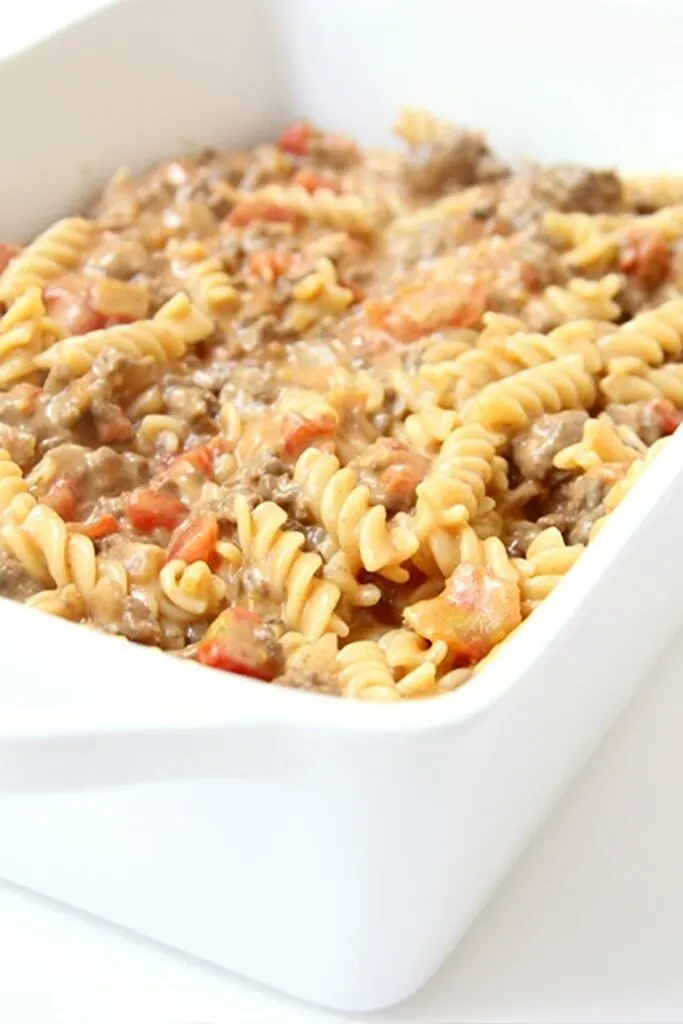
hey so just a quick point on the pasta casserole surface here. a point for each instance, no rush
(332, 418)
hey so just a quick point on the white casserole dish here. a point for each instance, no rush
(337, 851)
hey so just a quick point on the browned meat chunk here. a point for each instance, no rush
(643, 417)
(15, 582)
(534, 451)
(456, 160)
(138, 623)
(391, 472)
(526, 197)
(575, 506)
(518, 535)
(570, 188)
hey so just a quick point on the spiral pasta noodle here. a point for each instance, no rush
(582, 299)
(189, 591)
(426, 430)
(652, 191)
(365, 674)
(344, 508)
(43, 545)
(417, 127)
(63, 602)
(211, 290)
(291, 574)
(25, 330)
(522, 350)
(60, 248)
(634, 382)
(344, 212)
(622, 488)
(547, 561)
(511, 404)
(651, 337)
(12, 485)
(452, 493)
(164, 338)
(602, 442)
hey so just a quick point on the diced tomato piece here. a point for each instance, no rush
(645, 256)
(250, 210)
(68, 302)
(98, 528)
(115, 429)
(401, 480)
(7, 253)
(669, 417)
(297, 138)
(530, 277)
(357, 292)
(270, 264)
(195, 540)
(118, 318)
(312, 181)
(476, 611)
(152, 510)
(422, 308)
(239, 641)
(199, 458)
(63, 496)
(300, 433)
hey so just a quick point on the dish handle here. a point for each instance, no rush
(52, 752)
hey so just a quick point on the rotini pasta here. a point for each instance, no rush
(511, 404)
(57, 250)
(357, 527)
(547, 561)
(163, 338)
(603, 442)
(25, 330)
(211, 290)
(364, 672)
(291, 574)
(345, 213)
(651, 337)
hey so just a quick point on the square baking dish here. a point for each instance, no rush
(335, 850)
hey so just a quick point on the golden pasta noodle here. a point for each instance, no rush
(292, 575)
(364, 672)
(165, 337)
(59, 249)
(652, 191)
(651, 337)
(512, 404)
(603, 442)
(547, 561)
(343, 507)
(344, 212)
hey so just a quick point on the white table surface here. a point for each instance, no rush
(587, 928)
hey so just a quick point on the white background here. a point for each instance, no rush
(589, 926)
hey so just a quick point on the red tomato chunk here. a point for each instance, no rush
(300, 433)
(153, 510)
(63, 496)
(251, 210)
(98, 528)
(239, 641)
(297, 138)
(476, 611)
(195, 540)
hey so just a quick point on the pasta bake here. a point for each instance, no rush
(333, 418)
